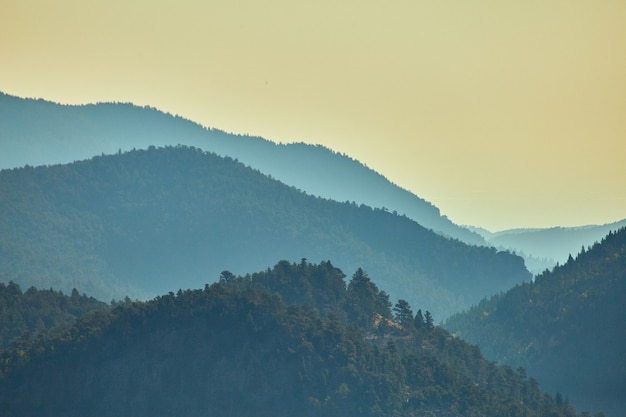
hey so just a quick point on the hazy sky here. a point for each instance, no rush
(502, 113)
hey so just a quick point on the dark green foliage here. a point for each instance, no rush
(148, 221)
(237, 348)
(36, 311)
(363, 301)
(404, 314)
(319, 286)
(567, 328)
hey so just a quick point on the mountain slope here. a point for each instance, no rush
(148, 222)
(243, 352)
(567, 328)
(37, 132)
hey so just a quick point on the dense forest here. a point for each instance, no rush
(145, 222)
(295, 339)
(28, 313)
(567, 328)
(39, 132)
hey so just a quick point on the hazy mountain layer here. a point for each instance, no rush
(37, 132)
(152, 221)
(567, 328)
(234, 349)
(543, 248)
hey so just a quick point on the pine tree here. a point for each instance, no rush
(404, 314)
(362, 299)
(429, 321)
(419, 322)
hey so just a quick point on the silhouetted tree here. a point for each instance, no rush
(429, 321)
(419, 320)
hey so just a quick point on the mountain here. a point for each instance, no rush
(38, 132)
(543, 248)
(146, 222)
(566, 328)
(238, 348)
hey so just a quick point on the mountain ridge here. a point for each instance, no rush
(147, 215)
(39, 132)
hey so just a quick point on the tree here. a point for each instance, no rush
(429, 321)
(226, 276)
(419, 322)
(383, 305)
(404, 314)
(559, 400)
(362, 299)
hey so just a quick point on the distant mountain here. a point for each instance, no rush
(567, 328)
(543, 248)
(147, 222)
(38, 132)
(239, 348)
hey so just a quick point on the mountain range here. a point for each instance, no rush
(38, 132)
(149, 217)
(146, 222)
(544, 248)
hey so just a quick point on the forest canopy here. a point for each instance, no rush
(296, 339)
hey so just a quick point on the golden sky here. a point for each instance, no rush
(502, 113)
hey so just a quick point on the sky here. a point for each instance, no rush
(503, 114)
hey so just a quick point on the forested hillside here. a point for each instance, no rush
(568, 327)
(284, 342)
(28, 313)
(38, 132)
(152, 221)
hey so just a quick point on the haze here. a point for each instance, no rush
(503, 114)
